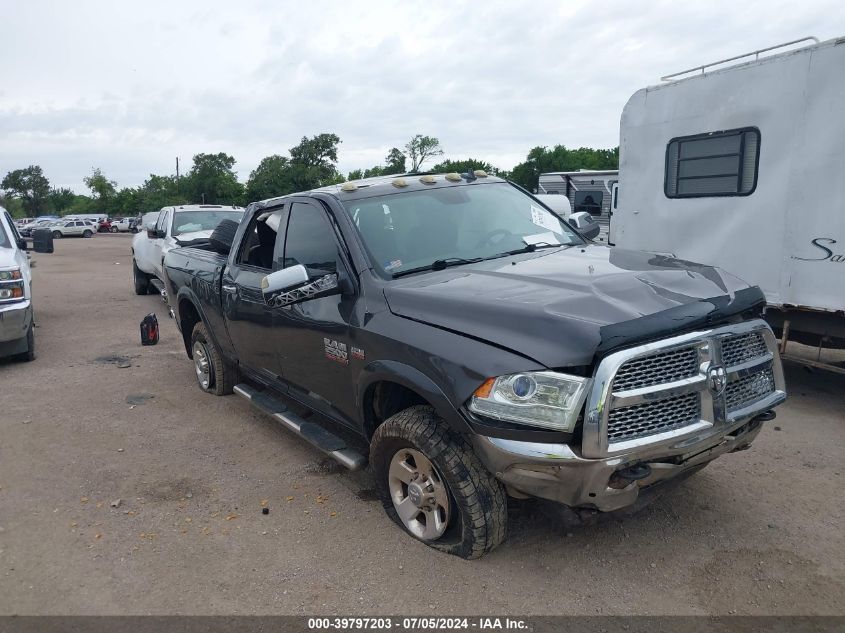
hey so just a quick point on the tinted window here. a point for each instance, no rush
(190, 221)
(310, 240)
(716, 164)
(589, 201)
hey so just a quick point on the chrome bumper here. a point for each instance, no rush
(558, 473)
(15, 319)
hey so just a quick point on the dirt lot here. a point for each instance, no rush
(758, 532)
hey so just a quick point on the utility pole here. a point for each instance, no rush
(177, 174)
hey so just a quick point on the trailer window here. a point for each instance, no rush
(589, 201)
(714, 164)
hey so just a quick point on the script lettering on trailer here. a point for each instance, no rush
(826, 254)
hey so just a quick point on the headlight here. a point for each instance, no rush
(545, 399)
(11, 286)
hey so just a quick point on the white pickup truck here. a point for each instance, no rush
(17, 338)
(172, 227)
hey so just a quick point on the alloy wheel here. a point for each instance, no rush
(419, 494)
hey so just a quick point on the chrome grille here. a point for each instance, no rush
(740, 393)
(653, 417)
(742, 348)
(657, 369)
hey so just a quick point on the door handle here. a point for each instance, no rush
(229, 288)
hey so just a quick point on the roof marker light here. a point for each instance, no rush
(399, 182)
(453, 177)
(428, 180)
(348, 186)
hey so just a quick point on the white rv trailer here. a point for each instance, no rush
(589, 191)
(744, 168)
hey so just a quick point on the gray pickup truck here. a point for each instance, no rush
(467, 343)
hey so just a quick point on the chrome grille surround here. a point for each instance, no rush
(624, 415)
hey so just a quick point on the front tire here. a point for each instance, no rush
(57, 235)
(29, 354)
(434, 486)
(113, 229)
(214, 375)
(140, 279)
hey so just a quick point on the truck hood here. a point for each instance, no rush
(7, 258)
(562, 307)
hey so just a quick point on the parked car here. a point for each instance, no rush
(41, 223)
(17, 334)
(171, 227)
(80, 228)
(466, 341)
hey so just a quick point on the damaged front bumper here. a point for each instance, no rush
(15, 321)
(556, 472)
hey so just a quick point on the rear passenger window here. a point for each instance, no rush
(311, 241)
(715, 164)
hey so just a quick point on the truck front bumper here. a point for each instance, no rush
(557, 473)
(15, 321)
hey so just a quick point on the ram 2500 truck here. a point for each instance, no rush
(466, 342)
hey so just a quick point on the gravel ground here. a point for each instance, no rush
(757, 532)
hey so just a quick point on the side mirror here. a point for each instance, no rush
(292, 285)
(585, 224)
(151, 231)
(22, 244)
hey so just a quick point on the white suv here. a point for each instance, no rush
(82, 228)
(17, 336)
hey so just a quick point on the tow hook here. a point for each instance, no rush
(623, 478)
(768, 416)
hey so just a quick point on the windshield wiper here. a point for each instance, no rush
(439, 264)
(528, 248)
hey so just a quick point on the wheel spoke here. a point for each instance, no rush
(401, 470)
(434, 527)
(441, 496)
(406, 510)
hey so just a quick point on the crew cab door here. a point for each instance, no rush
(315, 350)
(251, 323)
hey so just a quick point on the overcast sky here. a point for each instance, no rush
(128, 86)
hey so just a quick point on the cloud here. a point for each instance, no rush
(129, 87)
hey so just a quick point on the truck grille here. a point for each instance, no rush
(743, 347)
(654, 417)
(745, 391)
(657, 369)
(672, 385)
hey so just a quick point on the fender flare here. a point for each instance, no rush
(416, 381)
(187, 294)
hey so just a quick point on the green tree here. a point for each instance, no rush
(463, 166)
(213, 181)
(395, 162)
(30, 185)
(355, 174)
(61, 199)
(313, 162)
(542, 159)
(271, 178)
(420, 148)
(101, 187)
(158, 192)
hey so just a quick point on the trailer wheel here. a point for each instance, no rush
(434, 486)
(214, 374)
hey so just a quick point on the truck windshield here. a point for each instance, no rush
(190, 221)
(454, 225)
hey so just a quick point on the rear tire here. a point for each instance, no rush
(214, 374)
(87, 233)
(476, 512)
(113, 229)
(57, 235)
(140, 279)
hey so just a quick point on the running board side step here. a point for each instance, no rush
(317, 436)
